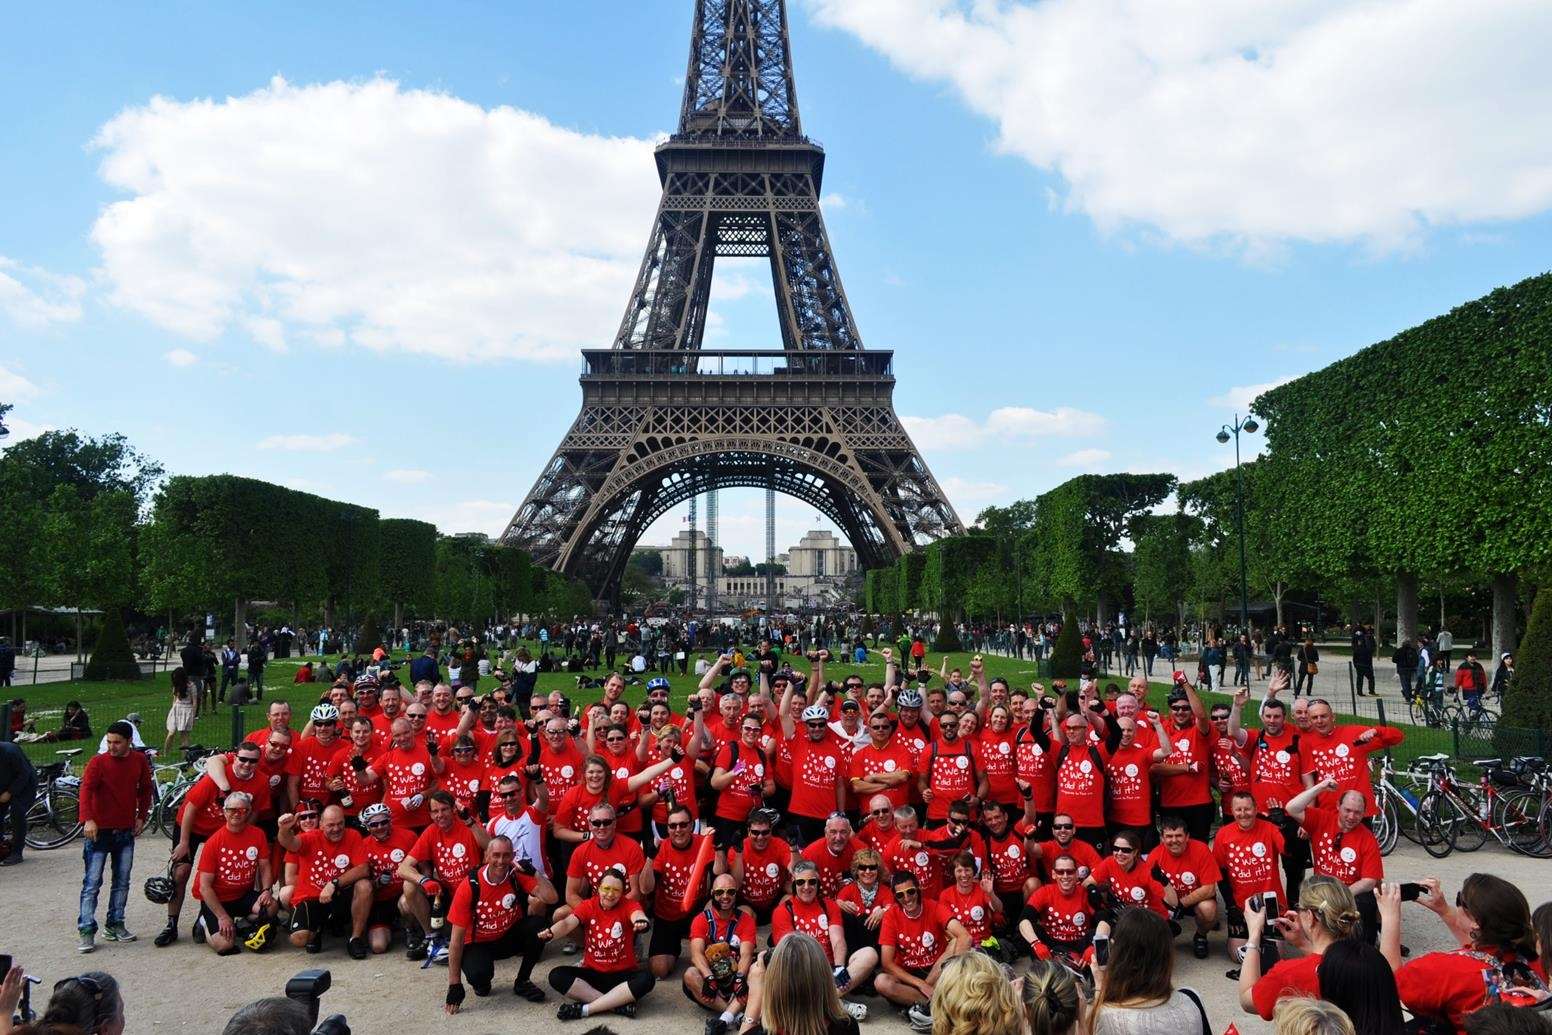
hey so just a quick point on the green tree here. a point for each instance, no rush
(1067, 650)
(1162, 574)
(407, 573)
(112, 657)
(1528, 700)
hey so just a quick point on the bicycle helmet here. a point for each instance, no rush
(909, 699)
(658, 683)
(325, 713)
(364, 683)
(259, 940)
(816, 711)
(374, 812)
(159, 889)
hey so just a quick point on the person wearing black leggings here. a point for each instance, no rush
(609, 978)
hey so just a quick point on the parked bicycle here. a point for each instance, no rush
(54, 820)
(170, 785)
(1465, 815)
(1398, 800)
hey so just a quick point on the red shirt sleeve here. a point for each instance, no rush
(459, 912)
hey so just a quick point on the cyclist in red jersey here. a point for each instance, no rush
(1247, 851)
(971, 898)
(1184, 778)
(1278, 772)
(1128, 775)
(609, 977)
(916, 936)
(666, 878)
(1341, 754)
(819, 762)
(604, 849)
(442, 856)
(1230, 765)
(722, 944)
(1128, 880)
(1009, 856)
(1341, 846)
(384, 848)
(807, 911)
(1058, 917)
(347, 777)
(234, 878)
(1065, 842)
(464, 775)
(497, 912)
(878, 826)
(310, 757)
(1079, 765)
(997, 743)
(330, 881)
(741, 776)
(1193, 873)
(951, 771)
(864, 900)
(833, 853)
(762, 865)
(409, 773)
(884, 764)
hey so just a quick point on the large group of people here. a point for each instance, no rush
(909, 841)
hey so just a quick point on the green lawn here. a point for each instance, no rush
(106, 701)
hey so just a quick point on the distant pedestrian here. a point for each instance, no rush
(18, 786)
(180, 717)
(7, 661)
(115, 801)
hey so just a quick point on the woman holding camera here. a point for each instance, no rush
(1326, 912)
(609, 977)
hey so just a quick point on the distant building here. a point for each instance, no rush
(821, 555)
(676, 558)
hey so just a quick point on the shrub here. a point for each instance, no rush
(1528, 699)
(1067, 651)
(112, 657)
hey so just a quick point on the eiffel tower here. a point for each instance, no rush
(664, 420)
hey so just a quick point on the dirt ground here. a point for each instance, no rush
(187, 988)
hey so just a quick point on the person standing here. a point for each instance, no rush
(1444, 643)
(257, 656)
(1363, 659)
(1308, 659)
(18, 786)
(7, 661)
(115, 802)
(1405, 660)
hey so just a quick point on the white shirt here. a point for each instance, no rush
(135, 741)
(524, 832)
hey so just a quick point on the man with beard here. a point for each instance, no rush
(950, 771)
(722, 944)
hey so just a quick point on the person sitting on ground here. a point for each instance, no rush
(75, 725)
(915, 940)
(609, 977)
(1300, 1015)
(1134, 991)
(974, 997)
(1051, 1001)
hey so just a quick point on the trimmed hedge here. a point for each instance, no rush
(1067, 651)
(112, 657)
(1528, 699)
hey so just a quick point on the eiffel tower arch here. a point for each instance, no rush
(664, 420)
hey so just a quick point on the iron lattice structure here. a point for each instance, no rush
(663, 420)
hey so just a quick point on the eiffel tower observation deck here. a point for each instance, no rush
(664, 420)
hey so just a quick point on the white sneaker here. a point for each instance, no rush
(919, 1017)
(857, 1011)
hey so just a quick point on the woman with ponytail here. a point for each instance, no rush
(1052, 1004)
(1326, 913)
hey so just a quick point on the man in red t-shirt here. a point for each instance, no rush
(1193, 874)
(559, 757)
(1184, 778)
(741, 778)
(1341, 754)
(605, 847)
(1129, 777)
(310, 756)
(882, 766)
(1342, 847)
(441, 857)
(1278, 772)
(666, 877)
(1079, 768)
(1247, 851)
(348, 777)
(496, 913)
(913, 941)
(1058, 916)
(383, 849)
(951, 770)
(833, 854)
(762, 866)
(408, 772)
(1064, 842)
(234, 878)
(819, 763)
(331, 885)
(722, 943)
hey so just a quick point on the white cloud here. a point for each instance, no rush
(1006, 424)
(1240, 397)
(1083, 458)
(367, 214)
(407, 476)
(180, 357)
(21, 430)
(966, 495)
(34, 297)
(15, 388)
(1249, 124)
(489, 517)
(325, 443)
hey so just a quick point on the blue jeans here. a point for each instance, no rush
(120, 844)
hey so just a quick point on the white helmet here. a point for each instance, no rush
(816, 711)
(325, 713)
(372, 812)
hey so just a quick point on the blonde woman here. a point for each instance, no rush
(1326, 913)
(1050, 999)
(1301, 1015)
(792, 992)
(974, 997)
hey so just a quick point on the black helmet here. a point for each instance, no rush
(159, 889)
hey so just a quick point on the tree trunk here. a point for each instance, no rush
(1441, 608)
(78, 656)
(1379, 616)
(1406, 608)
(1278, 588)
(328, 611)
(398, 618)
(1504, 631)
(240, 624)
(1101, 611)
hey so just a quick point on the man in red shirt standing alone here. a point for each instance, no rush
(115, 801)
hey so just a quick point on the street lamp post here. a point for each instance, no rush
(1249, 427)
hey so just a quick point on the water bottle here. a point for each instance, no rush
(1484, 810)
(1410, 797)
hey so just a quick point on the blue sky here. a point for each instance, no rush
(355, 248)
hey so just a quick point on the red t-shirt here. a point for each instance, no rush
(1191, 870)
(445, 726)
(1009, 859)
(310, 758)
(952, 773)
(611, 941)
(1229, 763)
(918, 941)
(915, 859)
(451, 855)
(1081, 851)
(406, 774)
(833, 869)
(678, 781)
(562, 769)
(1134, 887)
(1131, 785)
(997, 755)
(673, 867)
(623, 767)
(462, 781)
(893, 757)
(1080, 784)
(1035, 768)
(1276, 768)
(1063, 918)
(361, 795)
(1297, 976)
(205, 798)
(320, 860)
(590, 860)
(765, 873)
(571, 811)
(1250, 859)
(812, 918)
(735, 930)
(234, 859)
(1448, 985)
(1348, 857)
(383, 859)
(499, 906)
(973, 909)
(1187, 746)
(742, 796)
(817, 769)
(1340, 757)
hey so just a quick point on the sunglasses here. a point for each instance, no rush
(279, 744)
(1063, 826)
(902, 892)
(506, 743)
(415, 718)
(324, 722)
(678, 826)
(247, 760)
(306, 815)
(805, 882)
(759, 833)
(725, 893)
(597, 823)
(1122, 849)
(818, 724)
(1065, 873)
(879, 812)
(614, 740)
(509, 794)
(380, 824)
(866, 867)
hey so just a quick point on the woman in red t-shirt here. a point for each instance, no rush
(1124, 874)
(864, 900)
(1326, 912)
(997, 755)
(609, 977)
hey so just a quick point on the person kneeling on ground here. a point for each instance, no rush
(609, 977)
(722, 942)
(497, 912)
(234, 881)
(915, 940)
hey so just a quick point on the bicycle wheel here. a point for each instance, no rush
(1415, 711)
(168, 821)
(1387, 822)
(1436, 819)
(1514, 815)
(54, 820)
(1468, 833)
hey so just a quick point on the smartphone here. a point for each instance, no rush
(1102, 951)
(5, 966)
(1269, 900)
(1410, 891)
